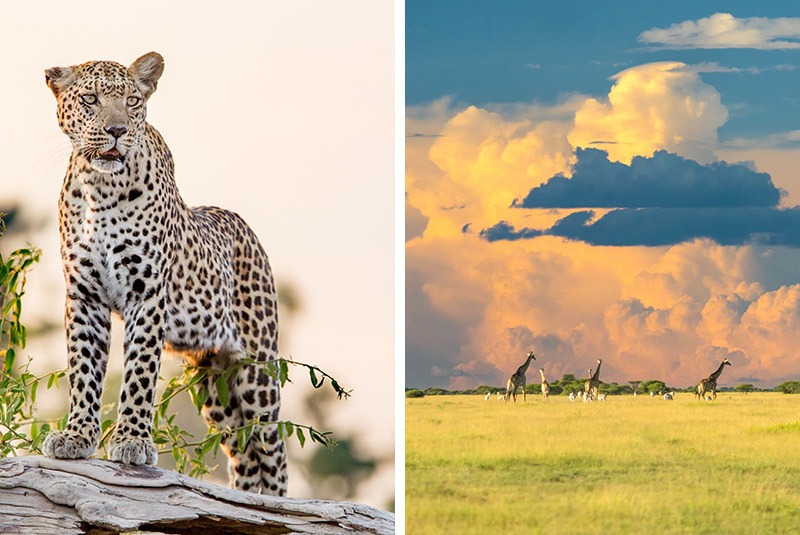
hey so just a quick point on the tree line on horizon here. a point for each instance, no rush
(570, 384)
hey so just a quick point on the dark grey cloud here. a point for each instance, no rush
(657, 201)
(419, 134)
(504, 231)
(664, 180)
(668, 226)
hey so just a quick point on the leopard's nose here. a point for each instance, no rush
(116, 131)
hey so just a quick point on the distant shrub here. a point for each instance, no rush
(414, 393)
(789, 387)
(614, 389)
(485, 389)
(533, 389)
(654, 386)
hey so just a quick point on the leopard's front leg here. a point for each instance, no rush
(132, 442)
(88, 324)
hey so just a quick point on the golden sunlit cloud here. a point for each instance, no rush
(652, 107)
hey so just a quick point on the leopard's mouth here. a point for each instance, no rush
(112, 155)
(110, 161)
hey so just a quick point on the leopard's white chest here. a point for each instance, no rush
(105, 240)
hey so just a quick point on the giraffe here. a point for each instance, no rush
(709, 384)
(591, 384)
(545, 385)
(587, 398)
(518, 380)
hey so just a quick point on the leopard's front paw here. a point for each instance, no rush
(133, 450)
(68, 445)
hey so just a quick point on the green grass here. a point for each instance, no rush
(627, 465)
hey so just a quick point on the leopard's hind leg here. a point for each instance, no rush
(258, 466)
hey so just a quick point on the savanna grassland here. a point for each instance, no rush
(626, 465)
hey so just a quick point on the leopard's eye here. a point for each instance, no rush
(89, 99)
(133, 101)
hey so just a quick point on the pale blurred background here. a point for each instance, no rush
(282, 112)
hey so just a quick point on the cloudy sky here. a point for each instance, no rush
(280, 111)
(610, 180)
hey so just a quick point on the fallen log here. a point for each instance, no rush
(43, 496)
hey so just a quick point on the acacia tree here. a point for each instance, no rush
(654, 386)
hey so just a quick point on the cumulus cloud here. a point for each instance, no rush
(656, 106)
(663, 180)
(713, 308)
(480, 162)
(769, 326)
(723, 30)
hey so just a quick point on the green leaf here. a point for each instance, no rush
(12, 302)
(222, 390)
(216, 441)
(207, 445)
(316, 383)
(301, 437)
(284, 372)
(198, 376)
(241, 439)
(15, 335)
(34, 388)
(199, 395)
(271, 369)
(9, 363)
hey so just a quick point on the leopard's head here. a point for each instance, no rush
(102, 107)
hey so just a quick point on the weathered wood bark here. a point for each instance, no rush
(42, 496)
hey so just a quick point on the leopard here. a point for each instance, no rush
(191, 280)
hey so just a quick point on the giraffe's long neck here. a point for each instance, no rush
(541, 372)
(596, 375)
(524, 368)
(716, 374)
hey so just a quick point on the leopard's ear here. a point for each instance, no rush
(146, 71)
(59, 78)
